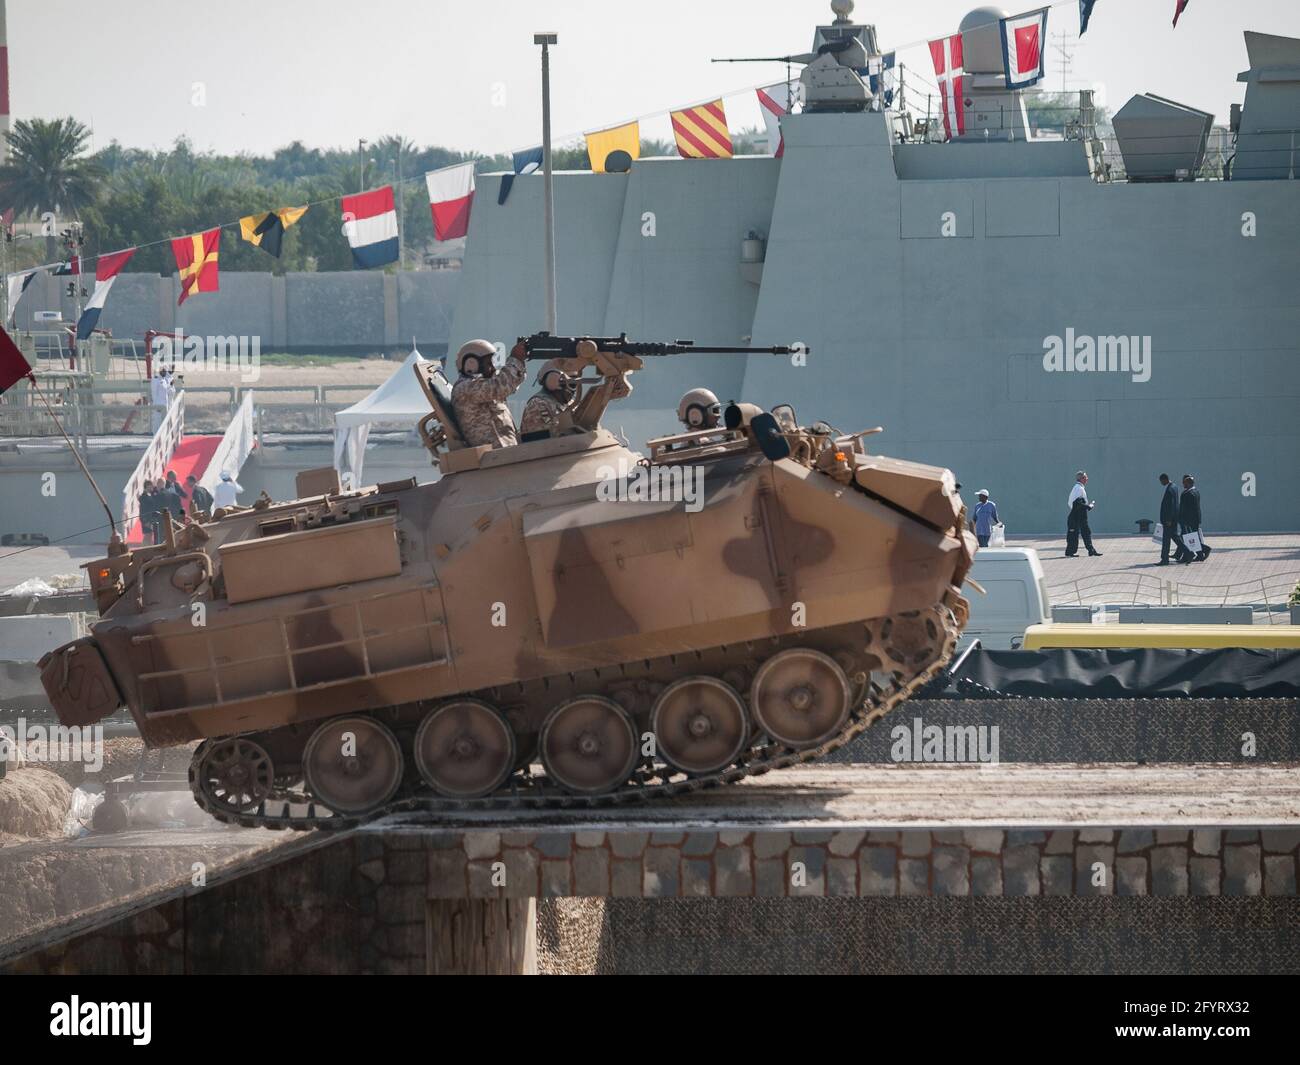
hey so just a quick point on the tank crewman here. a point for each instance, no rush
(542, 412)
(699, 409)
(478, 398)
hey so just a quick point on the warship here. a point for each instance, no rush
(1013, 303)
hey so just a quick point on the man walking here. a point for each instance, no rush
(985, 517)
(1189, 517)
(150, 513)
(1169, 522)
(1076, 524)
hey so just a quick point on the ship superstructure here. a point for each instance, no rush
(1034, 302)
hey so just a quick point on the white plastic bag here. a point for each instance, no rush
(1158, 534)
(998, 535)
(1192, 541)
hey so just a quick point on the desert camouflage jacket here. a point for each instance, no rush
(541, 413)
(480, 406)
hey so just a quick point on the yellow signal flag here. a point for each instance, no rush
(603, 143)
(266, 230)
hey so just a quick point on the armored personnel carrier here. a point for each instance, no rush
(562, 621)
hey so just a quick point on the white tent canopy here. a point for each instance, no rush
(399, 399)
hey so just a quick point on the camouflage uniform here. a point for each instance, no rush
(479, 404)
(541, 414)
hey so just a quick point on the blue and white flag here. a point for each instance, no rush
(882, 78)
(524, 162)
(17, 285)
(107, 267)
(1085, 13)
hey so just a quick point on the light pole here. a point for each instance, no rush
(548, 187)
(361, 163)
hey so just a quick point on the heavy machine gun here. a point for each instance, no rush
(615, 358)
(546, 346)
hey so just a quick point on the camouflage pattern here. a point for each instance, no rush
(541, 414)
(480, 405)
(389, 605)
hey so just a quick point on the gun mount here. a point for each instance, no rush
(614, 359)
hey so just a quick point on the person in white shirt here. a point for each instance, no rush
(159, 396)
(224, 494)
(1076, 524)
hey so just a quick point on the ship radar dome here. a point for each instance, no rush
(842, 9)
(983, 16)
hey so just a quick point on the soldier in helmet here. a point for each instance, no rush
(478, 398)
(542, 411)
(699, 409)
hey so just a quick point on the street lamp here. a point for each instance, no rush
(548, 186)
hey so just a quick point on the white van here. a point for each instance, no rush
(1016, 597)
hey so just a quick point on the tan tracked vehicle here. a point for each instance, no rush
(559, 621)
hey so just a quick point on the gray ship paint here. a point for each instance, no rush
(1106, 354)
(946, 341)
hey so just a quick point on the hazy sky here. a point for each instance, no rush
(464, 73)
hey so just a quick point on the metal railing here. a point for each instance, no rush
(1266, 595)
(153, 463)
(236, 445)
(84, 412)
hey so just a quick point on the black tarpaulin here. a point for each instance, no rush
(1120, 673)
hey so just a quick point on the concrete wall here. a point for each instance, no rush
(343, 311)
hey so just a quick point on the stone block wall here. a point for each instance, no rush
(408, 901)
(739, 862)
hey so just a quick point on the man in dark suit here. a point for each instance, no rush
(1169, 522)
(1189, 516)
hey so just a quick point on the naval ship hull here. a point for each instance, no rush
(938, 286)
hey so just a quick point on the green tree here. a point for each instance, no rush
(48, 170)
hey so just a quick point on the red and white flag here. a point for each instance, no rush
(1024, 51)
(773, 102)
(451, 195)
(948, 68)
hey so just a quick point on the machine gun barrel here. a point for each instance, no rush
(546, 346)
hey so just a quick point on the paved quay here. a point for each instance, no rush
(1241, 569)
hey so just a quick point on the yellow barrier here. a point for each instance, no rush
(1281, 637)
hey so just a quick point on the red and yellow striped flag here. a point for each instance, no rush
(196, 259)
(701, 132)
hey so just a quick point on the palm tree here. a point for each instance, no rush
(48, 170)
